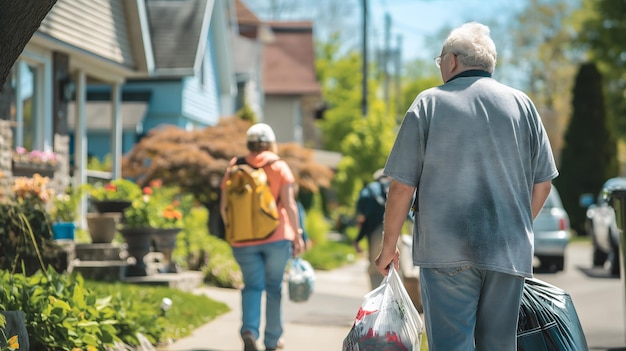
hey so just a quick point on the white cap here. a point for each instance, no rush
(261, 132)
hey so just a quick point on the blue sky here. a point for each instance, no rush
(416, 20)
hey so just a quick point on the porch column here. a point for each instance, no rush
(80, 141)
(116, 128)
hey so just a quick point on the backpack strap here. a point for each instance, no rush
(242, 161)
(381, 195)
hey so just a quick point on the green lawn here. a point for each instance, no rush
(188, 312)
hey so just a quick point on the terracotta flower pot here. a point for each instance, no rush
(103, 226)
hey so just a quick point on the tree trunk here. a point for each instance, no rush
(18, 22)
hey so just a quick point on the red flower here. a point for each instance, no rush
(110, 187)
(147, 190)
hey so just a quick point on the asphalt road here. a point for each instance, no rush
(598, 298)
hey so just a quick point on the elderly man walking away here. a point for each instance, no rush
(480, 159)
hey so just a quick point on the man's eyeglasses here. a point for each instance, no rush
(440, 57)
(438, 60)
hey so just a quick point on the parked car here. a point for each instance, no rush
(552, 233)
(601, 226)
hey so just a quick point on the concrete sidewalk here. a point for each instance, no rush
(321, 323)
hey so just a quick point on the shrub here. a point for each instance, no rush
(62, 314)
(65, 205)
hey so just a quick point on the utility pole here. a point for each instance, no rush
(364, 68)
(386, 59)
(398, 71)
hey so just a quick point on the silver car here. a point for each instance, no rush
(602, 227)
(552, 233)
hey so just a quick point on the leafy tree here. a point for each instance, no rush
(364, 141)
(603, 33)
(419, 76)
(542, 50)
(590, 153)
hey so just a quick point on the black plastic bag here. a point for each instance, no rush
(548, 320)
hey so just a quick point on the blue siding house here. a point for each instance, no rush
(193, 82)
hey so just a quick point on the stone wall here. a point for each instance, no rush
(6, 152)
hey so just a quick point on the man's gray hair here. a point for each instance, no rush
(473, 46)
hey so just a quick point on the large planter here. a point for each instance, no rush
(139, 244)
(103, 226)
(63, 230)
(107, 206)
(165, 242)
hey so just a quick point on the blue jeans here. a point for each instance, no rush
(263, 267)
(468, 309)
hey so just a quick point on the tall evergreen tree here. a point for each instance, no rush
(589, 157)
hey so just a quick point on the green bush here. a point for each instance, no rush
(316, 224)
(222, 269)
(64, 312)
(330, 255)
(61, 313)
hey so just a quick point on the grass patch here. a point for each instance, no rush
(188, 312)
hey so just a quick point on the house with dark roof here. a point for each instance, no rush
(275, 65)
(97, 75)
(192, 82)
(78, 43)
(292, 92)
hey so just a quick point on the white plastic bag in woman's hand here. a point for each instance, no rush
(301, 280)
(387, 320)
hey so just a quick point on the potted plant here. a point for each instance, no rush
(155, 216)
(114, 196)
(26, 163)
(64, 212)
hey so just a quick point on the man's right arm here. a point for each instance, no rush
(539, 196)
(396, 210)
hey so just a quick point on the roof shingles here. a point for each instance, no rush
(289, 62)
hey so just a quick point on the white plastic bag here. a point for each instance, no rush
(301, 280)
(387, 320)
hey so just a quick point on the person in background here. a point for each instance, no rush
(480, 157)
(302, 217)
(370, 209)
(263, 262)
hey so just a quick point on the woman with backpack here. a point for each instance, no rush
(262, 253)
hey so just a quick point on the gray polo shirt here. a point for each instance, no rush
(474, 148)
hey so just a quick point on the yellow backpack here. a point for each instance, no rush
(251, 210)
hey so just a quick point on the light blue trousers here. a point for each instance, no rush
(467, 309)
(263, 267)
